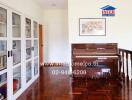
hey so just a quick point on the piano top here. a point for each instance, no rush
(108, 49)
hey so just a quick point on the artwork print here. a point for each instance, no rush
(92, 26)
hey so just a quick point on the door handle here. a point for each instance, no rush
(11, 53)
(8, 53)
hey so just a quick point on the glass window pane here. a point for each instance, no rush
(28, 49)
(28, 28)
(35, 29)
(35, 48)
(36, 66)
(16, 25)
(16, 51)
(3, 54)
(3, 22)
(3, 86)
(16, 79)
(28, 71)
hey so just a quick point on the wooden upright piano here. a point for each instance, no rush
(95, 60)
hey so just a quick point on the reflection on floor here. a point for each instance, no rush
(54, 84)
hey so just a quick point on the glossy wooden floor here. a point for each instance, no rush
(62, 87)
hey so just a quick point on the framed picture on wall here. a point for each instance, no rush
(92, 26)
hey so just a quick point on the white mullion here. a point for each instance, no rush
(38, 47)
(9, 59)
(3, 71)
(32, 43)
(17, 65)
(3, 38)
(30, 59)
(16, 38)
(23, 51)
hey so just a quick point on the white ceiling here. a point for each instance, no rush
(52, 4)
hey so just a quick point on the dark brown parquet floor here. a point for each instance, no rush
(51, 86)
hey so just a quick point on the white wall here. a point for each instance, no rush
(119, 28)
(29, 8)
(55, 35)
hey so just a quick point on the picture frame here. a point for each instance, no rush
(92, 26)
